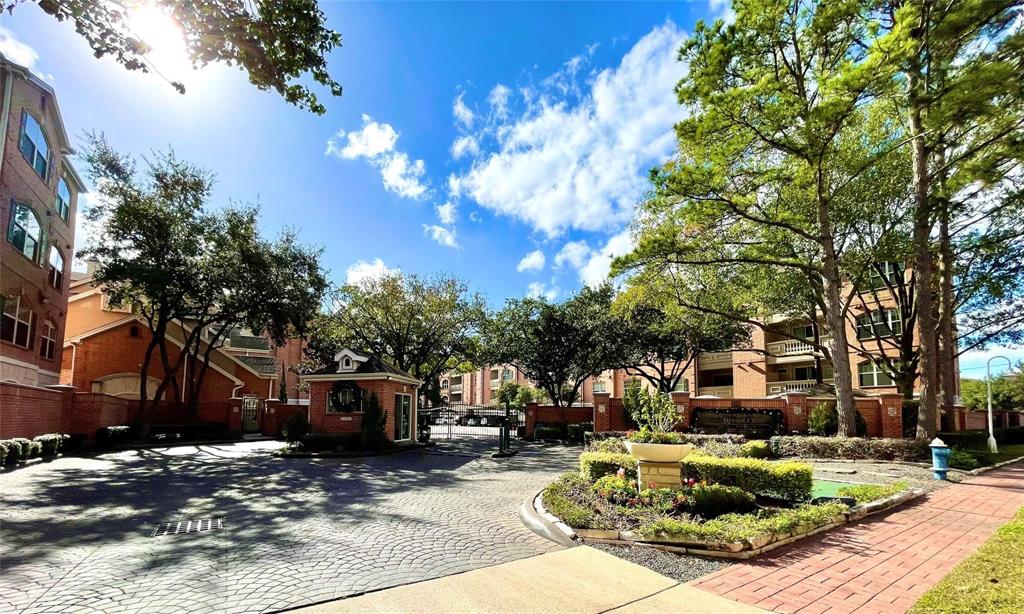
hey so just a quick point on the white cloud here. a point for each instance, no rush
(465, 145)
(595, 271)
(376, 143)
(573, 252)
(454, 186)
(498, 99)
(444, 236)
(446, 213)
(474, 216)
(722, 9)
(561, 165)
(17, 51)
(538, 289)
(363, 271)
(534, 261)
(462, 113)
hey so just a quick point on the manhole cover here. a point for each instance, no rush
(181, 527)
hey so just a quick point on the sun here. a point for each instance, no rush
(168, 55)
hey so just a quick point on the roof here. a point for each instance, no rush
(264, 365)
(370, 366)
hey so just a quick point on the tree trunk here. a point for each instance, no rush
(946, 339)
(923, 268)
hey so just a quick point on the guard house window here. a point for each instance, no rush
(63, 204)
(16, 321)
(55, 272)
(24, 231)
(880, 323)
(872, 375)
(33, 145)
(48, 341)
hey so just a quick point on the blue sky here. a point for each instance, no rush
(506, 143)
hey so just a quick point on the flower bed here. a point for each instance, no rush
(733, 507)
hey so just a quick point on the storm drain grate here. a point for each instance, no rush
(181, 527)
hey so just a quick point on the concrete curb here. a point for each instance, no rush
(388, 452)
(981, 470)
(538, 520)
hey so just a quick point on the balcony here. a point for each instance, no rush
(791, 350)
(455, 388)
(715, 360)
(724, 392)
(796, 385)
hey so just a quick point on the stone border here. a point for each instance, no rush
(744, 549)
(981, 470)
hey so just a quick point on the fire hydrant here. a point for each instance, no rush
(940, 459)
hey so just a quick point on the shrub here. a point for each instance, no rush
(850, 447)
(35, 449)
(737, 527)
(722, 449)
(371, 429)
(594, 465)
(50, 443)
(614, 488)
(296, 427)
(959, 459)
(575, 432)
(23, 447)
(979, 438)
(319, 442)
(864, 493)
(558, 500)
(652, 411)
(112, 435)
(824, 420)
(547, 432)
(713, 500)
(647, 435)
(790, 481)
(700, 439)
(12, 451)
(3, 453)
(756, 449)
(612, 444)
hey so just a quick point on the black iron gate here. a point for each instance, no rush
(456, 420)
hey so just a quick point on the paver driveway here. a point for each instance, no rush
(76, 532)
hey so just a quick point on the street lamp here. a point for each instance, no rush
(988, 386)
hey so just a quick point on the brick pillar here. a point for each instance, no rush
(796, 412)
(658, 475)
(602, 417)
(682, 401)
(531, 419)
(235, 415)
(891, 405)
(271, 426)
(67, 405)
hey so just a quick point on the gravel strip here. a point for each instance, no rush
(879, 473)
(680, 567)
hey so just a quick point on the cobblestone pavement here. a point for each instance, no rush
(75, 533)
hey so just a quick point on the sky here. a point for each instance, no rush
(505, 143)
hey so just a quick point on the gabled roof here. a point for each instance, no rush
(368, 366)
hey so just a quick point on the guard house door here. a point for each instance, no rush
(403, 417)
(251, 414)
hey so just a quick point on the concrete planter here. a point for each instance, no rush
(658, 452)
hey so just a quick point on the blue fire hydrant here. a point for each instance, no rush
(940, 459)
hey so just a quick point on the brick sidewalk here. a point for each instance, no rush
(882, 564)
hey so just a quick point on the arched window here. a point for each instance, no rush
(33, 145)
(63, 204)
(56, 268)
(24, 231)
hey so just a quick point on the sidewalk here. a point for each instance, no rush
(577, 580)
(882, 564)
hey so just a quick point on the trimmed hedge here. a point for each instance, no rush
(112, 435)
(22, 447)
(547, 432)
(611, 444)
(850, 447)
(51, 443)
(700, 439)
(577, 432)
(789, 481)
(3, 453)
(979, 438)
(594, 465)
(756, 449)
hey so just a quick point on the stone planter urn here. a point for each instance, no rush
(658, 452)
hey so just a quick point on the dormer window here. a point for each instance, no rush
(347, 363)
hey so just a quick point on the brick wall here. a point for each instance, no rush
(27, 411)
(324, 422)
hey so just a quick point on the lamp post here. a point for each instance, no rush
(988, 387)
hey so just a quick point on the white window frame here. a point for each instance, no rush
(16, 317)
(117, 308)
(875, 372)
(48, 340)
(893, 271)
(32, 158)
(336, 412)
(412, 414)
(63, 205)
(55, 275)
(600, 386)
(889, 325)
(12, 223)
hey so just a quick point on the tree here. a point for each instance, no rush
(659, 340)
(190, 273)
(282, 387)
(277, 42)
(1007, 393)
(771, 155)
(557, 346)
(424, 326)
(507, 394)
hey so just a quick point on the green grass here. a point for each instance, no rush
(990, 581)
(864, 493)
(826, 488)
(1007, 452)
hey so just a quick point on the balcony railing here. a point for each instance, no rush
(708, 359)
(792, 347)
(716, 391)
(792, 385)
(455, 388)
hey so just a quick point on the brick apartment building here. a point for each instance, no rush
(772, 363)
(39, 191)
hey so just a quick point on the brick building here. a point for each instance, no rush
(39, 191)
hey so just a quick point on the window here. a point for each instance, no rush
(63, 204)
(16, 321)
(683, 385)
(33, 145)
(885, 274)
(112, 305)
(600, 386)
(803, 332)
(506, 375)
(348, 363)
(48, 340)
(804, 373)
(403, 417)
(879, 323)
(872, 375)
(444, 384)
(56, 269)
(134, 330)
(24, 231)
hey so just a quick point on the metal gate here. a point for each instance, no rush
(456, 420)
(251, 414)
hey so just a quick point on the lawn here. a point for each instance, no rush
(1006, 452)
(991, 580)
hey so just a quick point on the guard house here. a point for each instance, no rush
(339, 394)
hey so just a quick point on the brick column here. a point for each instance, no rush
(602, 417)
(682, 401)
(892, 414)
(531, 419)
(271, 426)
(796, 412)
(662, 475)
